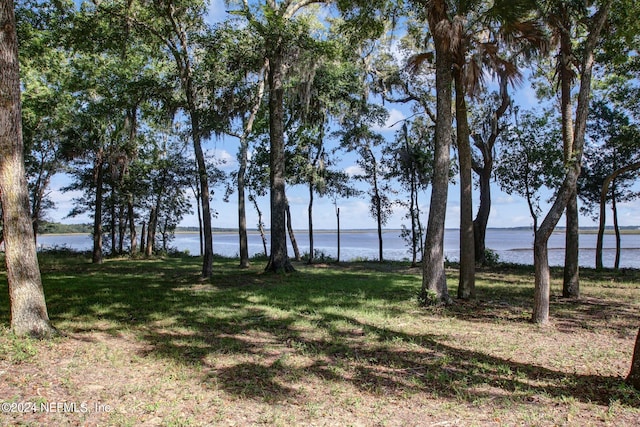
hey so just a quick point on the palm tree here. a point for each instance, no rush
(468, 38)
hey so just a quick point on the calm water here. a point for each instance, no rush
(511, 245)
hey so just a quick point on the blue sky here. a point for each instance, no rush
(507, 210)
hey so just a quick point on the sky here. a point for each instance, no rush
(506, 210)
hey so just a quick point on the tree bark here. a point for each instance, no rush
(603, 205)
(26, 296)
(466, 284)
(292, 236)
(616, 228)
(338, 225)
(634, 374)
(484, 174)
(96, 256)
(242, 171)
(571, 284)
(433, 277)
(540, 259)
(132, 226)
(310, 215)
(278, 260)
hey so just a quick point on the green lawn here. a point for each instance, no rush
(327, 345)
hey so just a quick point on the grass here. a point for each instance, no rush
(329, 345)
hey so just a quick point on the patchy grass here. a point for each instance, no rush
(150, 343)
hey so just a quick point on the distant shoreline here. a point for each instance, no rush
(585, 230)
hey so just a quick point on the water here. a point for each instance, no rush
(511, 245)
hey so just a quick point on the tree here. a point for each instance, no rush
(434, 280)
(531, 160)
(46, 106)
(487, 126)
(611, 156)
(283, 33)
(409, 160)
(28, 306)
(594, 25)
(175, 26)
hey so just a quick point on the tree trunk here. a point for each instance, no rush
(242, 171)
(132, 225)
(482, 216)
(377, 203)
(143, 236)
(292, 236)
(541, 260)
(26, 296)
(603, 212)
(113, 220)
(616, 228)
(338, 225)
(634, 374)
(571, 282)
(260, 224)
(414, 219)
(433, 277)
(151, 231)
(310, 214)
(242, 210)
(278, 260)
(207, 230)
(96, 256)
(466, 284)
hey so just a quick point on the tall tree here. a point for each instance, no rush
(434, 280)
(28, 307)
(283, 30)
(594, 25)
(611, 156)
(175, 25)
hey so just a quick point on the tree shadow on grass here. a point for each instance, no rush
(266, 334)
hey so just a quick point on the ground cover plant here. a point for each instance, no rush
(148, 342)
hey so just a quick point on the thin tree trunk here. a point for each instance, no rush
(433, 277)
(310, 216)
(132, 225)
(143, 235)
(413, 213)
(242, 171)
(338, 225)
(571, 282)
(96, 257)
(466, 284)
(603, 205)
(260, 224)
(292, 236)
(151, 232)
(26, 296)
(278, 259)
(122, 228)
(616, 228)
(378, 203)
(113, 219)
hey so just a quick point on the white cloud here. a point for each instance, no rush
(394, 121)
(354, 170)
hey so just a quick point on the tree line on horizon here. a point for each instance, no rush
(123, 96)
